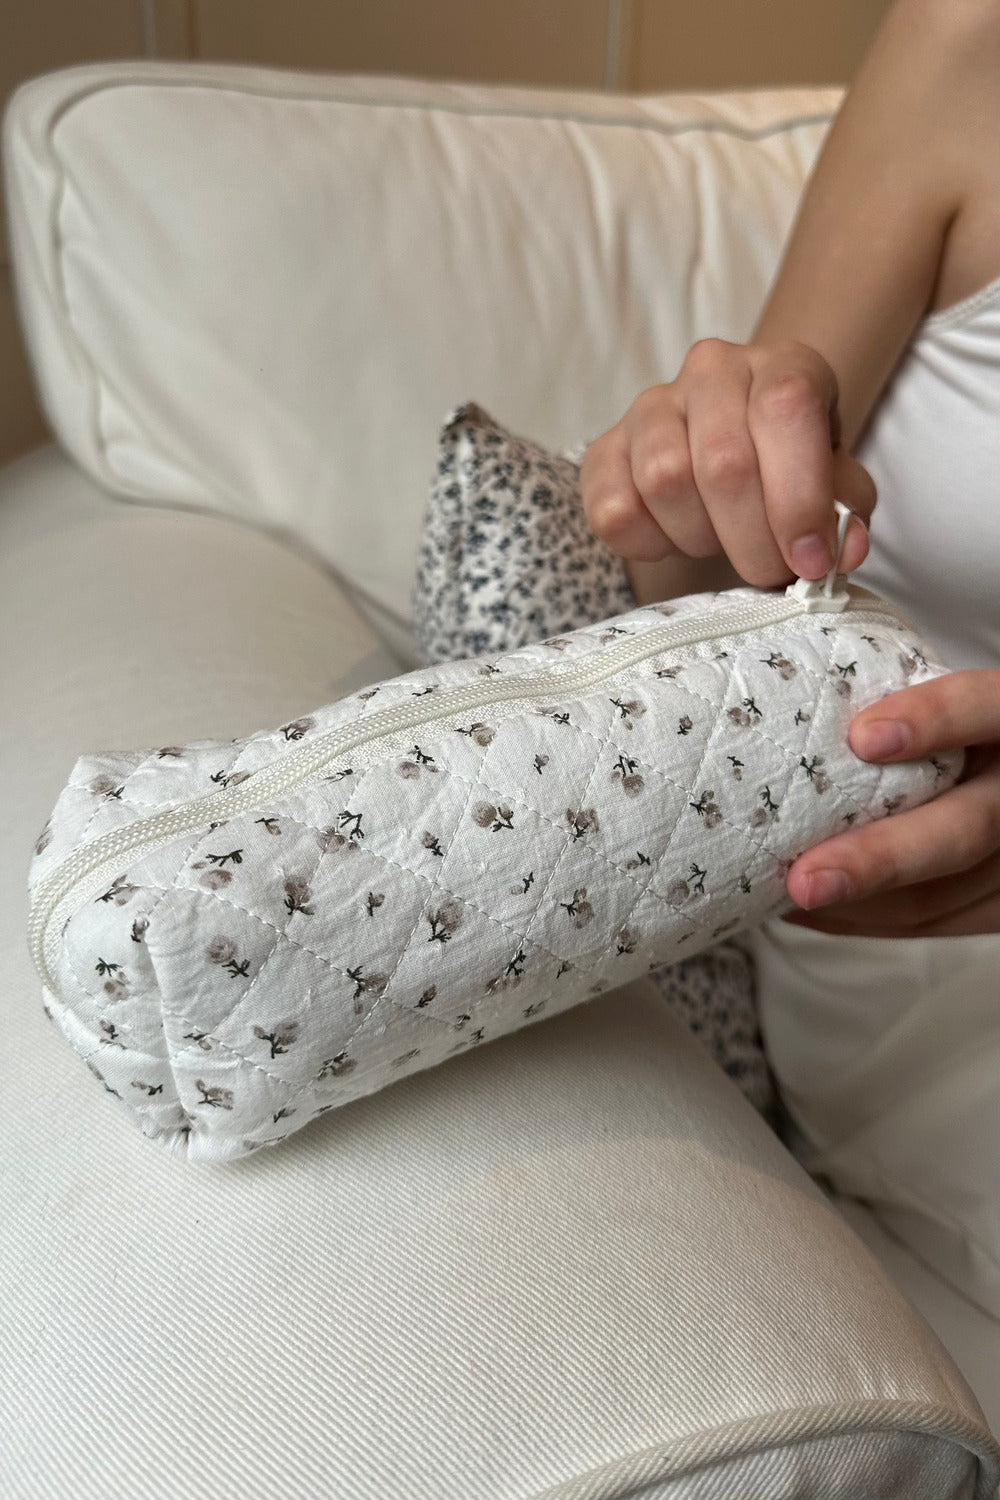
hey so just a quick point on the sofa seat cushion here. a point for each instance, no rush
(578, 1265)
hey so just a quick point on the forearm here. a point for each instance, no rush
(860, 265)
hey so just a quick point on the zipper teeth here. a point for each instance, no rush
(148, 833)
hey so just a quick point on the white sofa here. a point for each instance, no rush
(573, 1264)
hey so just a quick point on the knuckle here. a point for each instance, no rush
(706, 353)
(663, 473)
(650, 402)
(612, 514)
(728, 464)
(787, 396)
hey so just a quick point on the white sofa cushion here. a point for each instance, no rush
(260, 292)
(580, 1265)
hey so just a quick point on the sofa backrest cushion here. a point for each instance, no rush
(259, 292)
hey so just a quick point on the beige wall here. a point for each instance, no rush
(643, 45)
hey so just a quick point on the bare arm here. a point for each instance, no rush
(861, 264)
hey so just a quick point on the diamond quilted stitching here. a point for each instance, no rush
(503, 848)
(305, 1014)
(208, 951)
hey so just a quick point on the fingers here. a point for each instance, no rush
(613, 506)
(735, 456)
(956, 832)
(935, 908)
(945, 713)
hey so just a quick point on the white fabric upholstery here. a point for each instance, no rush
(576, 1233)
(578, 1264)
(261, 291)
(583, 1266)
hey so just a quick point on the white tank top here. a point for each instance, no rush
(887, 1050)
(932, 445)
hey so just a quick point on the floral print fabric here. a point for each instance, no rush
(439, 886)
(507, 558)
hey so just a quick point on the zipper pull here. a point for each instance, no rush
(829, 594)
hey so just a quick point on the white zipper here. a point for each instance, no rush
(86, 871)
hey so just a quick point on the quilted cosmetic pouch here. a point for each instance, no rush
(239, 936)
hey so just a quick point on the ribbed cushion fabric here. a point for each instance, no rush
(579, 1265)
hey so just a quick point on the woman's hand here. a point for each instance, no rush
(740, 454)
(932, 871)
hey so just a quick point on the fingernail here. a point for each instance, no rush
(882, 737)
(811, 556)
(824, 886)
(855, 545)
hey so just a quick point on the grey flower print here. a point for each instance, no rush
(444, 922)
(640, 859)
(432, 842)
(44, 838)
(737, 766)
(106, 786)
(427, 996)
(200, 1038)
(540, 762)
(119, 891)
(330, 838)
(147, 1088)
(746, 714)
(177, 751)
(336, 1067)
(234, 856)
(417, 762)
(579, 908)
(841, 672)
(481, 733)
(685, 724)
(484, 815)
(768, 812)
(363, 982)
(110, 1037)
(780, 664)
(626, 771)
(297, 728)
(630, 710)
(216, 1097)
(582, 820)
(680, 890)
(626, 939)
(819, 779)
(233, 779)
(281, 1038)
(375, 900)
(214, 880)
(139, 928)
(271, 825)
(298, 895)
(350, 824)
(707, 809)
(222, 950)
(116, 985)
